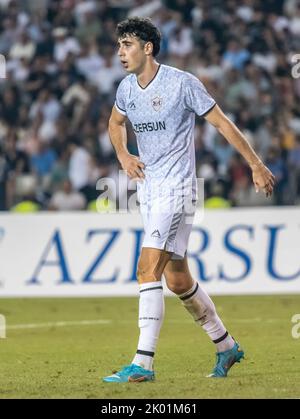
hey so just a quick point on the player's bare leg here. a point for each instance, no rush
(202, 309)
(151, 264)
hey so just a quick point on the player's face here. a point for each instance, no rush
(132, 54)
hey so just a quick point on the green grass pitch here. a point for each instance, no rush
(48, 359)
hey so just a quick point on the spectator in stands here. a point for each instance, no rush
(3, 180)
(279, 168)
(216, 200)
(64, 44)
(23, 48)
(67, 199)
(80, 166)
(294, 170)
(235, 55)
(43, 159)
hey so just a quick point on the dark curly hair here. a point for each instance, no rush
(141, 28)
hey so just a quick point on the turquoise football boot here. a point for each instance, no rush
(130, 374)
(225, 360)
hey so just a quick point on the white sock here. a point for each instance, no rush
(151, 314)
(203, 310)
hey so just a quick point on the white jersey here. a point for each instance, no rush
(163, 118)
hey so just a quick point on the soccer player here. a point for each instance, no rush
(161, 103)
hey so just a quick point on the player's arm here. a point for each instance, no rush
(118, 137)
(262, 176)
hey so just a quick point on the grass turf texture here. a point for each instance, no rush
(69, 361)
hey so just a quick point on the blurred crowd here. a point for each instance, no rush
(62, 72)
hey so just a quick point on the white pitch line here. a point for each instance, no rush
(108, 321)
(57, 324)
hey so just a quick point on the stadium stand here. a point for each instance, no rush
(62, 74)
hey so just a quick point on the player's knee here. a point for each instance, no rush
(178, 286)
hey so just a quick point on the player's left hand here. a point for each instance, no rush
(263, 178)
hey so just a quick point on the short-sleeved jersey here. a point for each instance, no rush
(163, 118)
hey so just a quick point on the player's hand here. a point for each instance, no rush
(132, 165)
(263, 178)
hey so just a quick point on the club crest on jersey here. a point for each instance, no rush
(156, 103)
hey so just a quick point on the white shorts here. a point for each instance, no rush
(168, 223)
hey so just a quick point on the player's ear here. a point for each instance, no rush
(148, 48)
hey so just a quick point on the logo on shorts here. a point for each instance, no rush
(156, 233)
(156, 103)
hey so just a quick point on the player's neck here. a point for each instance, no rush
(147, 74)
